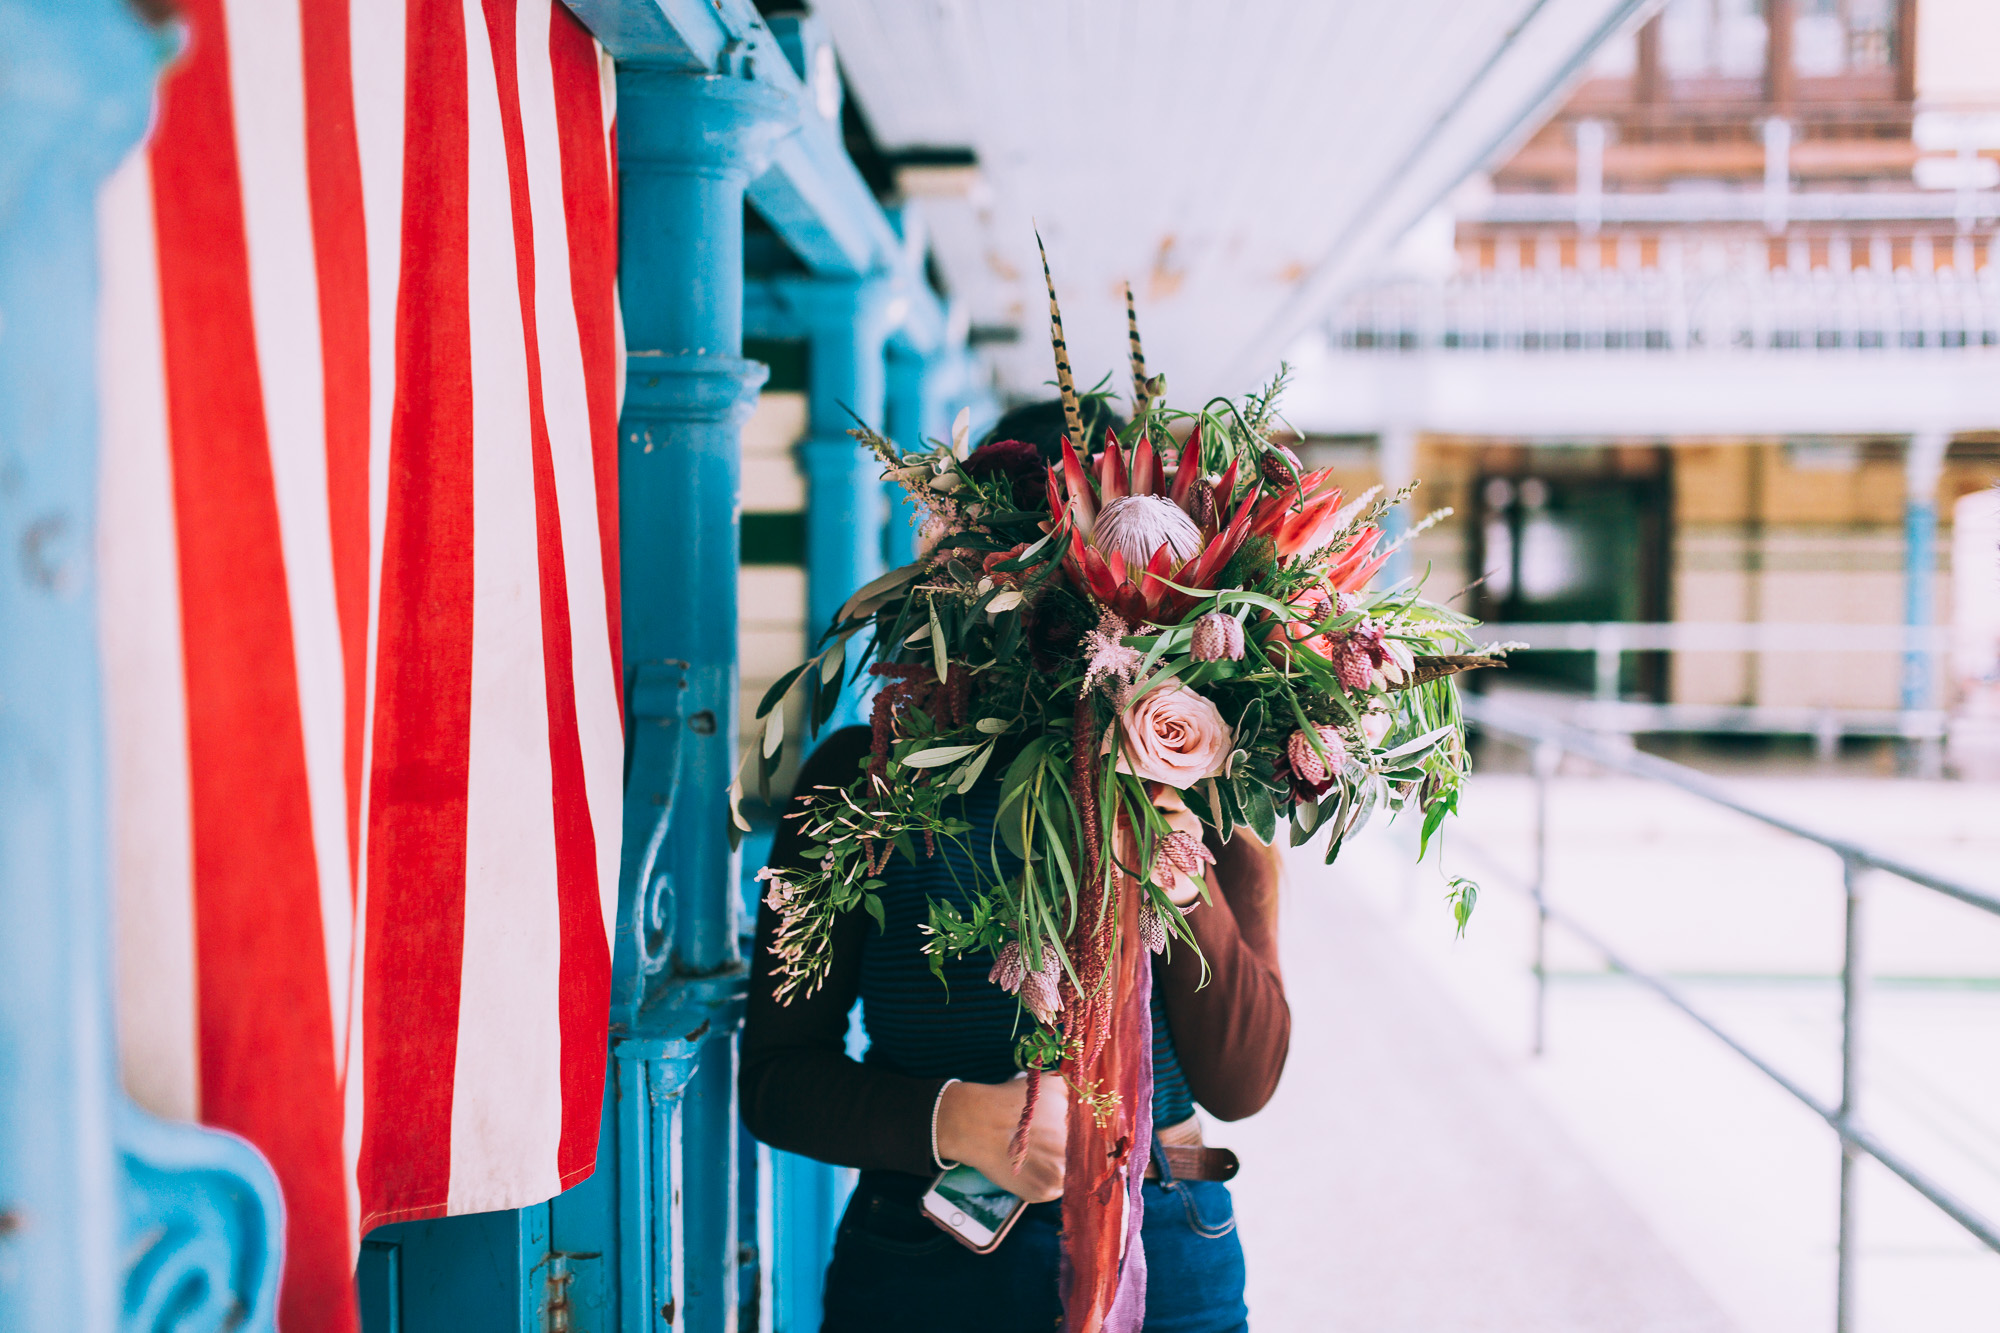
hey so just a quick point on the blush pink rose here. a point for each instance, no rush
(1173, 736)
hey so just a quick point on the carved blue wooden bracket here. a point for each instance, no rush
(108, 1218)
(203, 1222)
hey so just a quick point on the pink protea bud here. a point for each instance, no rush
(1152, 930)
(1039, 993)
(1008, 970)
(1217, 636)
(1307, 766)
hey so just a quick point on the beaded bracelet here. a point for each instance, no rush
(937, 1106)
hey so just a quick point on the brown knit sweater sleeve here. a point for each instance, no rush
(1231, 1035)
(799, 1088)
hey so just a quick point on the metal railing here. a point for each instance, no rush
(1607, 642)
(1547, 741)
(1745, 307)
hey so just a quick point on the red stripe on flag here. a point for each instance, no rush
(266, 1035)
(585, 994)
(593, 278)
(417, 788)
(340, 262)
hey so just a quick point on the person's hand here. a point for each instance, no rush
(976, 1124)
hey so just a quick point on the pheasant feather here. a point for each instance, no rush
(1072, 418)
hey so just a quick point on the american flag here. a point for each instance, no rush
(361, 365)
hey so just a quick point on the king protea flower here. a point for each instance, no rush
(1301, 519)
(1354, 566)
(1132, 528)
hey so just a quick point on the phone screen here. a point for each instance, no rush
(972, 1207)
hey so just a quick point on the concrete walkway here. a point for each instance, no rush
(1405, 1177)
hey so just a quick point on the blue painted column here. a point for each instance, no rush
(688, 146)
(847, 322)
(915, 416)
(1923, 468)
(107, 1216)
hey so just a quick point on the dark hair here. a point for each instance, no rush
(1042, 425)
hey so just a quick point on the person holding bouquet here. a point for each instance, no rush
(940, 1058)
(1129, 653)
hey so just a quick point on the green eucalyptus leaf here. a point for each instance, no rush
(779, 687)
(937, 756)
(972, 770)
(825, 700)
(871, 596)
(940, 652)
(1009, 641)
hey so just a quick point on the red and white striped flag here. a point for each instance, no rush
(361, 366)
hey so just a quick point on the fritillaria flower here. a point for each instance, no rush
(1040, 991)
(1008, 971)
(1217, 636)
(1307, 766)
(1366, 657)
(1132, 530)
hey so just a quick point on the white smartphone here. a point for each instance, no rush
(972, 1209)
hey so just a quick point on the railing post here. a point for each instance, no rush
(1607, 655)
(1853, 984)
(1544, 760)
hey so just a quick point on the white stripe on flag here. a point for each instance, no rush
(145, 700)
(567, 407)
(607, 84)
(506, 1112)
(376, 35)
(266, 74)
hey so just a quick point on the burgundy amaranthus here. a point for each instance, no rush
(912, 685)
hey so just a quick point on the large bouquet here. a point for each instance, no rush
(1169, 633)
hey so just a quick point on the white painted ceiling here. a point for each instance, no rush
(1242, 162)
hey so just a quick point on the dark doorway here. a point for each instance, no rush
(1574, 534)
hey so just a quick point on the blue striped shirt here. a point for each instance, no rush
(967, 1027)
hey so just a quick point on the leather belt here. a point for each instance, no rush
(1194, 1162)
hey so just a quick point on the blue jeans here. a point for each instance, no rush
(894, 1269)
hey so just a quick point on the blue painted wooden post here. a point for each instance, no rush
(107, 1217)
(915, 417)
(847, 322)
(689, 144)
(1923, 467)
